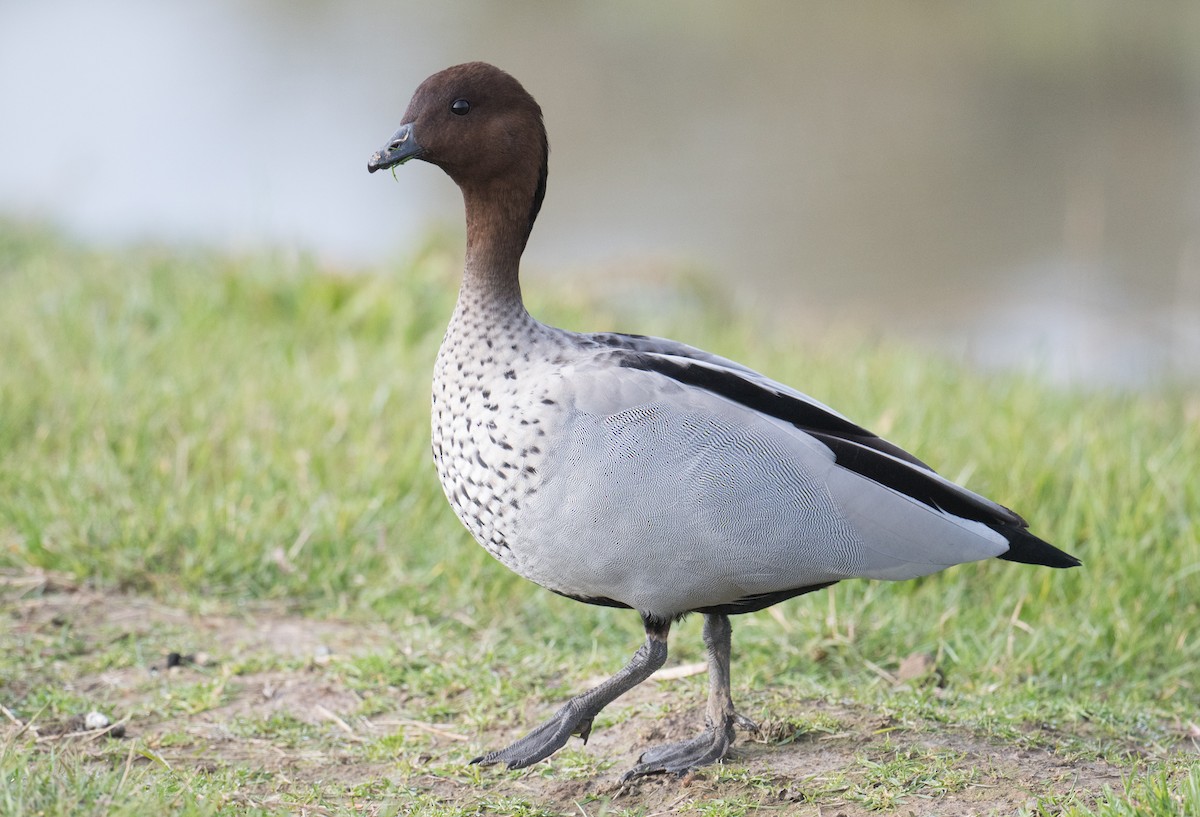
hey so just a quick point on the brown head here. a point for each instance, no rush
(480, 126)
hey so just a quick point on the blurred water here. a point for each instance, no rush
(1019, 182)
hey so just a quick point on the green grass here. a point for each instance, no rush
(228, 433)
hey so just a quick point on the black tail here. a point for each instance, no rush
(1026, 548)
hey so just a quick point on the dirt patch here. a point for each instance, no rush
(39, 601)
(830, 774)
(188, 647)
(843, 768)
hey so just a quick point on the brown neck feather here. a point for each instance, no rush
(500, 214)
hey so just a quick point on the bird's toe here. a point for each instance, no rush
(710, 746)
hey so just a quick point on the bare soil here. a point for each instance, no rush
(783, 777)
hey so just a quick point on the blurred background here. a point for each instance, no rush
(1016, 183)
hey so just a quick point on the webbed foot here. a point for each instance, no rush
(575, 717)
(545, 740)
(710, 746)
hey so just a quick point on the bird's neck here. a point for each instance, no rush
(498, 224)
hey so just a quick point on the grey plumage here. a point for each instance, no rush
(595, 479)
(641, 472)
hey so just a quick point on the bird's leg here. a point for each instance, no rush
(713, 743)
(575, 717)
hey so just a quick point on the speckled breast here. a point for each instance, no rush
(490, 412)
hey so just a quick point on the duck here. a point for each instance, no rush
(643, 473)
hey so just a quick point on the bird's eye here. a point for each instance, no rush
(460, 107)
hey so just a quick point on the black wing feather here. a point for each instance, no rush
(734, 386)
(854, 447)
(858, 450)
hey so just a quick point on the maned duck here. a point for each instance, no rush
(643, 473)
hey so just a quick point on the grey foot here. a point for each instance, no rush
(545, 740)
(710, 746)
(575, 717)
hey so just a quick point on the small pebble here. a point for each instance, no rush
(95, 720)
